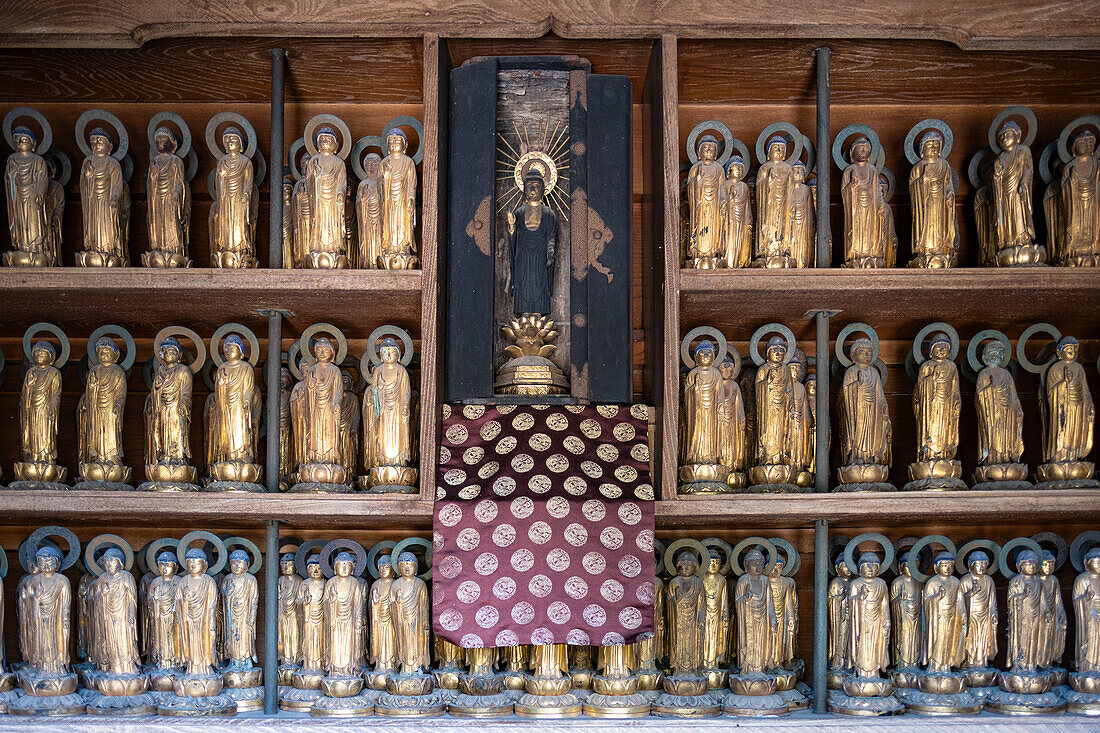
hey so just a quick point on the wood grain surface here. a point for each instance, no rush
(1049, 24)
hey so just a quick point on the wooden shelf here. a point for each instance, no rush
(896, 299)
(315, 511)
(360, 511)
(141, 299)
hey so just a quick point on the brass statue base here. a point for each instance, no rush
(942, 693)
(376, 680)
(446, 678)
(865, 263)
(1024, 692)
(834, 678)
(480, 706)
(717, 679)
(796, 699)
(905, 678)
(247, 698)
(286, 674)
(143, 704)
(37, 486)
(685, 696)
(167, 486)
(315, 487)
(938, 475)
(95, 258)
(297, 700)
(566, 705)
(39, 476)
(1024, 255)
(164, 259)
(389, 480)
(754, 695)
(1067, 475)
(616, 706)
(774, 479)
(775, 262)
(866, 696)
(161, 679)
(1083, 697)
(7, 697)
(343, 698)
(199, 696)
(581, 678)
(47, 695)
(978, 677)
(410, 696)
(20, 258)
(864, 477)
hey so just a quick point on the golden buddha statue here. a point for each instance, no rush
(104, 199)
(1013, 171)
(945, 617)
(288, 465)
(1085, 680)
(26, 182)
(232, 226)
(55, 203)
(199, 689)
(409, 690)
(289, 623)
(980, 602)
(449, 658)
(1080, 200)
(704, 184)
(735, 211)
(349, 428)
(615, 688)
(100, 418)
(932, 191)
(985, 227)
(479, 687)
(685, 689)
(937, 403)
(161, 626)
(1000, 418)
(865, 691)
(755, 683)
(233, 418)
(42, 607)
(906, 608)
(1056, 622)
(1026, 686)
(39, 401)
(865, 429)
(368, 206)
(800, 425)
(309, 601)
(388, 418)
(840, 625)
(383, 636)
(801, 231)
(705, 389)
(864, 206)
(240, 598)
(168, 419)
(169, 202)
(774, 186)
(326, 186)
(119, 678)
(322, 398)
(1069, 417)
(398, 182)
(289, 258)
(775, 445)
(785, 600)
(731, 426)
(716, 623)
(302, 212)
(345, 617)
(548, 685)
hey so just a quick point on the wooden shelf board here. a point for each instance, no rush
(791, 510)
(80, 300)
(896, 299)
(319, 511)
(316, 511)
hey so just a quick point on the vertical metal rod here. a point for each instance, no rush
(271, 617)
(271, 379)
(275, 160)
(821, 409)
(824, 160)
(821, 612)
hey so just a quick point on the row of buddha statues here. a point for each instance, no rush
(756, 431)
(327, 224)
(326, 434)
(181, 639)
(926, 643)
(732, 220)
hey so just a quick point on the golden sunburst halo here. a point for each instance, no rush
(547, 151)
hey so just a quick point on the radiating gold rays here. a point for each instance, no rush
(545, 149)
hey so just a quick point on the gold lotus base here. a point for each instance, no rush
(296, 700)
(775, 262)
(37, 471)
(1085, 682)
(614, 686)
(515, 680)
(479, 685)
(375, 680)
(488, 706)
(844, 704)
(906, 678)
(942, 684)
(399, 261)
(114, 685)
(1000, 472)
(286, 672)
(228, 260)
(307, 679)
(1025, 682)
(616, 707)
(868, 687)
(341, 686)
(159, 258)
(717, 679)
(754, 706)
(122, 705)
(163, 680)
(772, 474)
(834, 678)
(95, 258)
(548, 686)
(686, 686)
(215, 706)
(980, 676)
(110, 473)
(322, 473)
(57, 705)
(935, 469)
(36, 685)
(170, 473)
(699, 472)
(410, 685)
(548, 706)
(1024, 255)
(325, 261)
(1009, 703)
(237, 471)
(354, 706)
(1065, 471)
(650, 679)
(393, 476)
(239, 679)
(205, 685)
(923, 703)
(679, 706)
(582, 678)
(20, 258)
(753, 685)
(863, 474)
